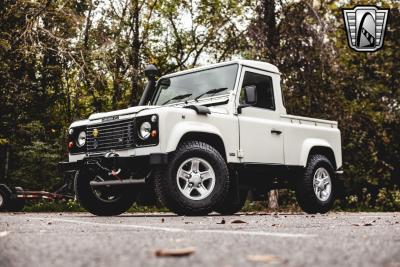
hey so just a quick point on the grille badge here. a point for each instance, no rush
(95, 132)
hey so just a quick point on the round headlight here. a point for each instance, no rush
(81, 139)
(145, 129)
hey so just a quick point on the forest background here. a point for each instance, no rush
(61, 60)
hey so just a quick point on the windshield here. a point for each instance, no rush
(196, 85)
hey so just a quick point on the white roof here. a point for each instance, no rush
(248, 63)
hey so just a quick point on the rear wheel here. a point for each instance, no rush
(105, 201)
(195, 181)
(316, 190)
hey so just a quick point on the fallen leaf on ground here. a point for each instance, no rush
(275, 224)
(180, 252)
(355, 224)
(222, 222)
(3, 234)
(367, 224)
(238, 221)
(265, 258)
(162, 220)
(187, 222)
(49, 223)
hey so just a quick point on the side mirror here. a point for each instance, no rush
(250, 95)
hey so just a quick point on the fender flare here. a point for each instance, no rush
(183, 128)
(309, 144)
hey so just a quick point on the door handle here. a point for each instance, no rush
(276, 132)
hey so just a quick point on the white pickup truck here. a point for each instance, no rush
(199, 141)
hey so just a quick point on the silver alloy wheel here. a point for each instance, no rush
(195, 178)
(322, 184)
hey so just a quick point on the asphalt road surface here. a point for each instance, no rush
(80, 239)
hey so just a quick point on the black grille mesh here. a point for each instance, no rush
(110, 136)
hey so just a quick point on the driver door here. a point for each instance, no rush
(261, 132)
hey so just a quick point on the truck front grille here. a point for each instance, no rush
(113, 135)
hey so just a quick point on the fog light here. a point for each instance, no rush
(154, 133)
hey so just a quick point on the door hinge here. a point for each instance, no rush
(240, 153)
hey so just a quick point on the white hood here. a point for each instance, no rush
(131, 110)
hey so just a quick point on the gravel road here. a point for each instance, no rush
(80, 239)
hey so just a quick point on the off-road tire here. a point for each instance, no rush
(6, 200)
(16, 205)
(89, 201)
(236, 198)
(305, 194)
(166, 187)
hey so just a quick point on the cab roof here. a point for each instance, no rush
(248, 63)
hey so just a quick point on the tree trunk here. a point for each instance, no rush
(135, 50)
(271, 33)
(271, 44)
(273, 199)
(7, 157)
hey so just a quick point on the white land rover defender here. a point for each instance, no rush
(199, 141)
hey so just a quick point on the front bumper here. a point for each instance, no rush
(153, 159)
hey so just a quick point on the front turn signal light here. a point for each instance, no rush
(154, 133)
(70, 145)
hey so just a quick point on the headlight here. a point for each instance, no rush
(145, 129)
(81, 139)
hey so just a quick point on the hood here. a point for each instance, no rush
(131, 110)
(134, 110)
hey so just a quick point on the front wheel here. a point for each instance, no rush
(316, 189)
(236, 198)
(195, 181)
(106, 201)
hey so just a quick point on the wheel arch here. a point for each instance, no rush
(212, 139)
(317, 146)
(323, 150)
(196, 131)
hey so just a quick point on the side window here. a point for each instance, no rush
(265, 91)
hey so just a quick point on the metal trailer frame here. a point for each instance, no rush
(14, 198)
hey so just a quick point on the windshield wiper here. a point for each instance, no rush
(211, 91)
(178, 97)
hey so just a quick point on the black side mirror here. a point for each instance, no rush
(250, 97)
(250, 94)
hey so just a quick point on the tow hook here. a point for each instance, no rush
(113, 172)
